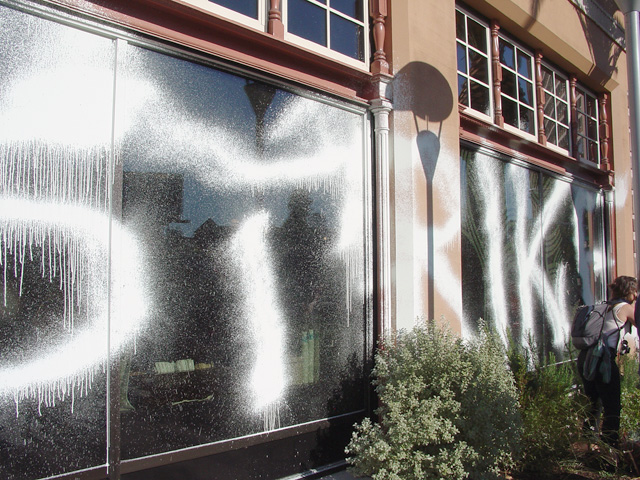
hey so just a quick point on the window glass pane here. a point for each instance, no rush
(524, 64)
(477, 35)
(347, 37)
(478, 66)
(563, 112)
(307, 21)
(547, 79)
(549, 106)
(580, 103)
(561, 88)
(593, 152)
(525, 91)
(479, 98)
(508, 84)
(550, 131)
(592, 109)
(462, 57)
(246, 7)
(507, 54)
(353, 8)
(463, 90)
(250, 212)
(460, 26)
(581, 121)
(527, 123)
(563, 137)
(510, 111)
(531, 246)
(592, 129)
(582, 149)
(55, 253)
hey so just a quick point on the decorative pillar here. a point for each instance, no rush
(573, 101)
(497, 74)
(381, 108)
(378, 11)
(275, 26)
(542, 134)
(604, 131)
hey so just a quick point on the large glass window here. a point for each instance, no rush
(533, 249)
(473, 63)
(197, 272)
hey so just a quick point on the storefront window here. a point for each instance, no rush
(533, 249)
(180, 245)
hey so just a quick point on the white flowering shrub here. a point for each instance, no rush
(448, 410)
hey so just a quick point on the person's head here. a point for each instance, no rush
(623, 287)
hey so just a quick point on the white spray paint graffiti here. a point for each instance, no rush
(79, 238)
(254, 260)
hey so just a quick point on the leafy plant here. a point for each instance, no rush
(552, 406)
(448, 409)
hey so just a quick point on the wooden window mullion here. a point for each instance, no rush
(497, 74)
(574, 115)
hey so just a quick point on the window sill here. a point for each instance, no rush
(487, 134)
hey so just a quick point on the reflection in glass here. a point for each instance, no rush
(508, 84)
(524, 65)
(525, 91)
(460, 26)
(352, 8)
(347, 37)
(480, 98)
(478, 36)
(462, 57)
(478, 66)
(533, 248)
(246, 7)
(463, 90)
(307, 21)
(510, 112)
(507, 54)
(248, 200)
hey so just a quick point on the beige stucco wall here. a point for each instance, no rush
(425, 175)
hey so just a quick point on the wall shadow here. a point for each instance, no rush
(422, 89)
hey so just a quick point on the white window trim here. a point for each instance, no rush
(467, 109)
(210, 7)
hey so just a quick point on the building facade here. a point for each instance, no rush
(213, 209)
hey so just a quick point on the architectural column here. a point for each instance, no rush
(378, 12)
(573, 105)
(604, 131)
(275, 26)
(542, 134)
(497, 74)
(380, 108)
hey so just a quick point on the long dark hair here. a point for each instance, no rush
(622, 287)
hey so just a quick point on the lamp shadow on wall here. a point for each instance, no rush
(422, 89)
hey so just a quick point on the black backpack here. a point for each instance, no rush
(587, 325)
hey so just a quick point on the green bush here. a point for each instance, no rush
(448, 410)
(630, 418)
(552, 407)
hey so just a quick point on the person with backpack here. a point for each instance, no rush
(601, 376)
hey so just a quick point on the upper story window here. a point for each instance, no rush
(336, 28)
(516, 88)
(587, 141)
(473, 64)
(556, 107)
(334, 24)
(571, 113)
